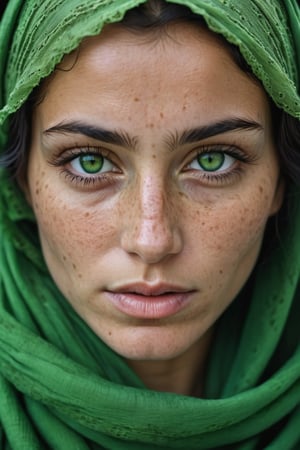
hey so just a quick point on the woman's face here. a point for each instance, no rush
(152, 173)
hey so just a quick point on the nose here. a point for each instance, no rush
(152, 231)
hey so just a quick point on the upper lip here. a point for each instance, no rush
(150, 289)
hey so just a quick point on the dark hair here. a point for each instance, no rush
(153, 17)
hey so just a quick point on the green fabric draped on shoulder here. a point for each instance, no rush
(60, 386)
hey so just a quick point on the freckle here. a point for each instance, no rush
(153, 156)
(184, 108)
(136, 99)
(64, 258)
(153, 145)
(260, 189)
(203, 223)
(220, 272)
(46, 186)
(74, 266)
(79, 275)
(87, 214)
(109, 333)
(37, 191)
(162, 115)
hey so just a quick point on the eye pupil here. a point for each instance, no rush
(91, 163)
(211, 161)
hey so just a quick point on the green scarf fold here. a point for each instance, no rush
(60, 386)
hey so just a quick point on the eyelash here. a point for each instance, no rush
(225, 175)
(63, 159)
(107, 178)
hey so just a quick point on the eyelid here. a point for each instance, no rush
(77, 165)
(220, 177)
(64, 157)
(230, 150)
(68, 154)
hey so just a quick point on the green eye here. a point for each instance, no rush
(91, 163)
(211, 161)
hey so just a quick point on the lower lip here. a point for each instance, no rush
(149, 307)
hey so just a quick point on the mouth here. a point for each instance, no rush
(146, 301)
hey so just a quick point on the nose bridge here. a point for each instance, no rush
(153, 234)
(152, 200)
(153, 221)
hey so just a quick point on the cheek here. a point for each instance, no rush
(231, 226)
(72, 235)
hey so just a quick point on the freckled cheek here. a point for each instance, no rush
(229, 225)
(74, 235)
(246, 227)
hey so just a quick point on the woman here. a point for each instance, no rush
(149, 214)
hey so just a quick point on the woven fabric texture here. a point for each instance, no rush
(60, 386)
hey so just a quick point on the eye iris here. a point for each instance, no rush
(91, 163)
(211, 161)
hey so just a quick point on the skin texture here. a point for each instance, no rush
(154, 216)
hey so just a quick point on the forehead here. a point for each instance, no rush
(180, 69)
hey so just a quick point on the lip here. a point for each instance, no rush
(145, 301)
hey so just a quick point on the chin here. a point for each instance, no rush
(155, 345)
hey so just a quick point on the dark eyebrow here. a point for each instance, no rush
(173, 140)
(120, 138)
(193, 135)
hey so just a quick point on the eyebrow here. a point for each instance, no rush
(120, 138)
(224, 126)
(172, 140)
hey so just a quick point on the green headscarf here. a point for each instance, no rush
(60, 386)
